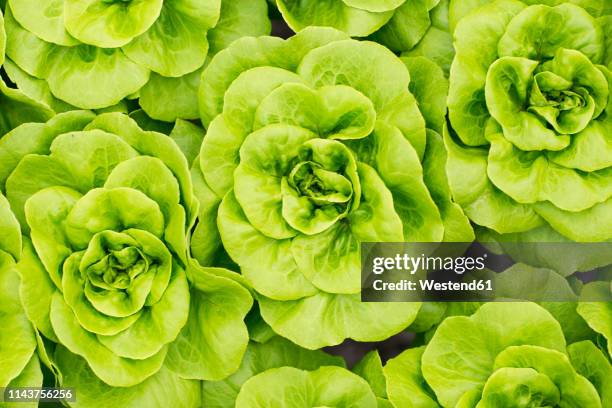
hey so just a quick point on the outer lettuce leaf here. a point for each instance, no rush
(17, 109)
(165, 387)
(598, 315)
(325, 319)
(93, 56)
(20, 363)
(405, 383)
(591, 363)
(291, 387)
(370, 368)
(355, 21)
(2, 38)
(274, 353)
(417, 27)
(238, 19)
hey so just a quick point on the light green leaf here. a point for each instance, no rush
(93, 78)
(430, 88)
(239, 18)
(591, 363)
(34, 88)
(276, 352)
(165, 387)
(467, 109)
(175, 44)
(598, 315)
(370, 368)
(188, 137)
(2, 39)
(17, 109)
(367, 67)
(483, 203)
(212, 343)
(524, 34)
(157, 326)
(529, 177)
(36, 290)
(407, 27)
(454, 365)
(399, 167)
(553, 368)
(355, 21)
(327, 319)
(457, 226)
(17, 339)
(375, 219)
(226, 67)
(267, 263)
(109, 24)
(205, 240)
(182, 91)
(110, 368)
(291, 387)
(43, 18)
(330, 260)
(406, 386)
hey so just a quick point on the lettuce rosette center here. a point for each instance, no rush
(539, 104)
(317, 180)
(119, 279)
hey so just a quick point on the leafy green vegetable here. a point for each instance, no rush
(417, 27)
(20, 363)
(598, 315)
(272, 354)
(93, 54)
(591, 363)
(291, 387)
(278, 373)
(502, 355)
(529, 102)
(166, 163)
(313, 145)
(16, 107)
(370, 368)
(105, 273)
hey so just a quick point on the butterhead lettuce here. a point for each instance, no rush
(314, 145)
(105, 275)
(529, 101)
(94, 54)
(503, 355)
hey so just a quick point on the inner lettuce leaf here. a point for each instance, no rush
(529, 145)
(315, 144)
(104, 274)
(93, 55)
